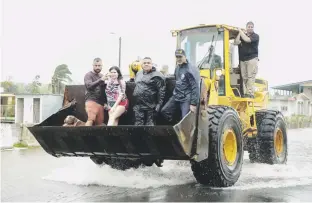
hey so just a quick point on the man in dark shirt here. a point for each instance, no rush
(248, 57)
(149, 93)
(95, 96)
(186, 92)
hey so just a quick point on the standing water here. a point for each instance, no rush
(82, 171)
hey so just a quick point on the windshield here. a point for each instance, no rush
(197, 43)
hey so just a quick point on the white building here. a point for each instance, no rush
(294, 98)
(35, 108)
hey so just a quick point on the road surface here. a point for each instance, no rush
(33, 175)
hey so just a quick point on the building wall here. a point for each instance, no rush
(292, 106)
(289, 107)
(27, 109)
(10, 134)
(308, 108)
(300, 106)
(285, 106)
(308, 91)
(49, 104)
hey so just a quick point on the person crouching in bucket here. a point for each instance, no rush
(117, 102)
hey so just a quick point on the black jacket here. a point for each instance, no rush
(150, 89)
(187, 83)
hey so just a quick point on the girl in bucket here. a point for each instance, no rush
(117, 102)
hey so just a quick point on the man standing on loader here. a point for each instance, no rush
(95, 96)
(149, 93)
(186, 92)
(248, 57)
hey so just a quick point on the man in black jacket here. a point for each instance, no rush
(186, 92)
(149, 93)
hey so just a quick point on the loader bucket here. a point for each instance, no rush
(178, 140)
(125, 141)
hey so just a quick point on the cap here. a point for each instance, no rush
(180, 52)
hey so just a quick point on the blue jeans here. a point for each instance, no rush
(171, 106)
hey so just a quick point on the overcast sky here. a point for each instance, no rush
(38, 35)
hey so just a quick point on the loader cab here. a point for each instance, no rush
(204, 48)
(211, 47)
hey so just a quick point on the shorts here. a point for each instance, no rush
(95, 112)
(124, 103)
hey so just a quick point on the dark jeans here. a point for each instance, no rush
(172, 106)
(143, 116)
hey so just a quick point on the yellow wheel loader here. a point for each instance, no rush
(213, 138)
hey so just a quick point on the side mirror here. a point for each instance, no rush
(218, 72)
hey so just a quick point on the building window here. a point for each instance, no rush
(274, 108)
(284, 108)
(300, 107)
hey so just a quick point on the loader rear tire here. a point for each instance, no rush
(270, 145)
(223, 166)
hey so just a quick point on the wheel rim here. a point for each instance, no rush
(229, 147)
(278, 142)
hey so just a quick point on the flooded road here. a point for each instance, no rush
(33, 175)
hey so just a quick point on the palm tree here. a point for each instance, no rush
(61, 75)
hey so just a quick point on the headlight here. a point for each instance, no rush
(218, 73)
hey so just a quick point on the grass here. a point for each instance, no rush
(23, 145)
(20, 145)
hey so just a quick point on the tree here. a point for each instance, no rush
(34, 87)
(60, 77)
(9, 87)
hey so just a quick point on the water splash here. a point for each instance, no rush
(256, 176)
(82, 171)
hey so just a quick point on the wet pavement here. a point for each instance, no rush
(33, 175)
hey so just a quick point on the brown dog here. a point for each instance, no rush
(73, 121)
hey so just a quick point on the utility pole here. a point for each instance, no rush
(119, 51)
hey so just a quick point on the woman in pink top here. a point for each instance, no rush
(117, 102)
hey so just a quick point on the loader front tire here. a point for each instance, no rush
(223, 166)
(270, 145)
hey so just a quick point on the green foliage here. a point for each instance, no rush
(9, 87)
(34, 87)
(60, 77)
(299, 121)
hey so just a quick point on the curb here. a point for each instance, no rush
(6, 148)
